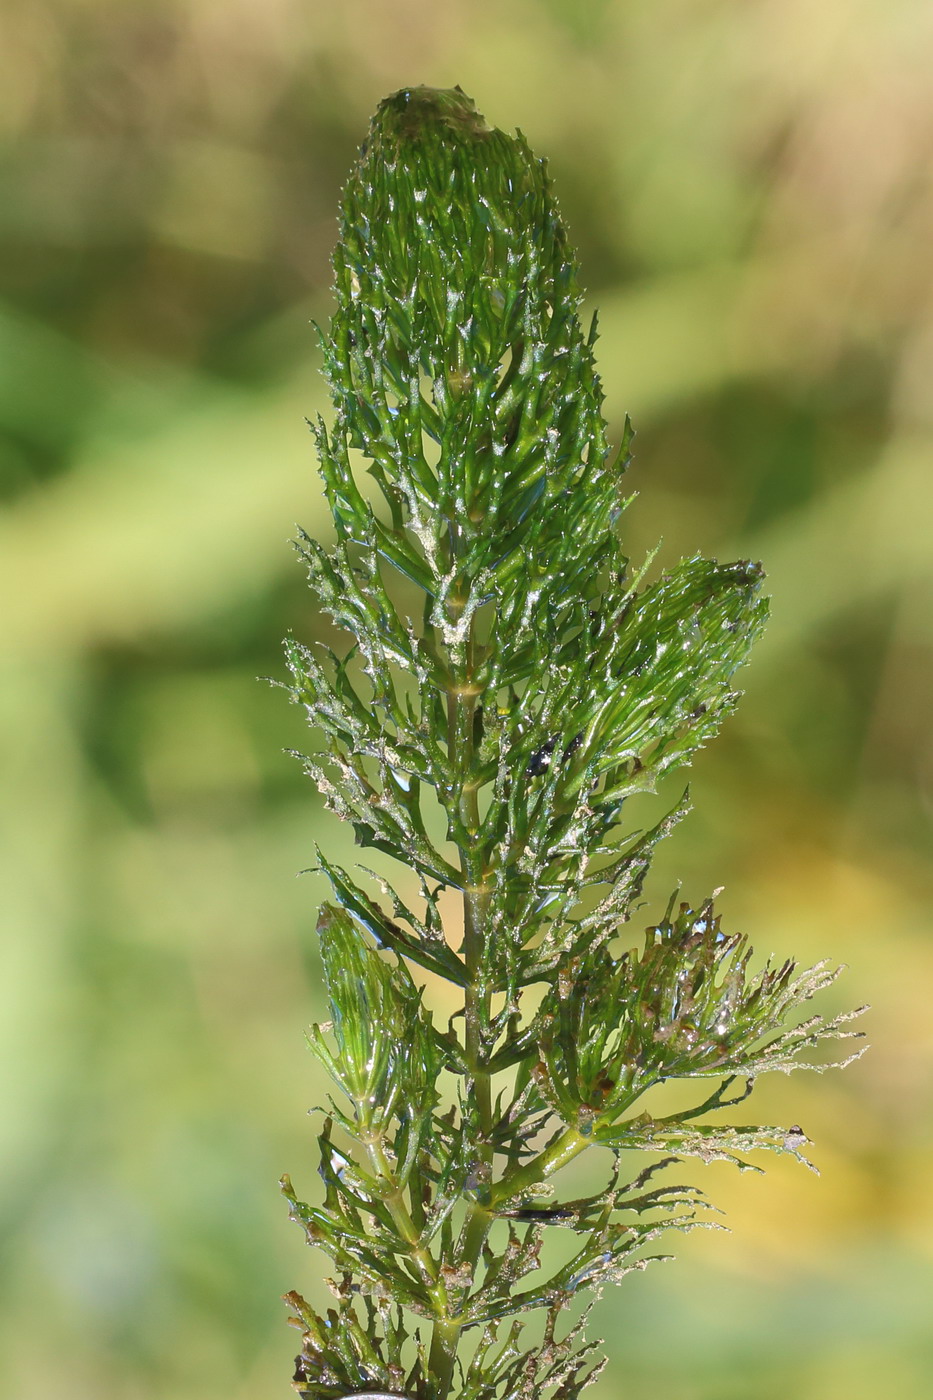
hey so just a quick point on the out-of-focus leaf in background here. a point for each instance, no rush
(750, 188)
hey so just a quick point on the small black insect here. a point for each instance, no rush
(540, 1215)
(540, 760)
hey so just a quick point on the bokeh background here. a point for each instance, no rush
(749, 185)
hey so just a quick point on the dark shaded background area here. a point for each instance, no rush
(750, 188)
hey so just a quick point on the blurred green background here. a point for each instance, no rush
(749, 184)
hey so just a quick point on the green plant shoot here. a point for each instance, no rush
(507, 687)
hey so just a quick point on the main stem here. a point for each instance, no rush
(461, 711)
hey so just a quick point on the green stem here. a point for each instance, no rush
(402, 1219)
(461, 711)
(569, 1144)
(561, 1151)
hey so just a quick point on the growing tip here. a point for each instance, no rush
(413, 112)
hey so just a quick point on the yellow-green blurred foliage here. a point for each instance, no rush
(749, 184)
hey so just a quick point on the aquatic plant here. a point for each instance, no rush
(507, 689)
